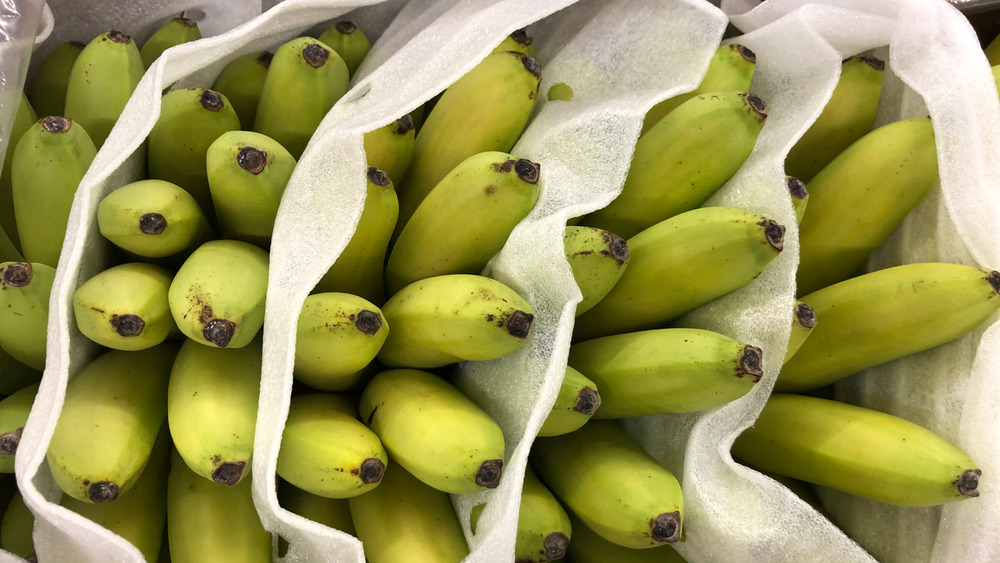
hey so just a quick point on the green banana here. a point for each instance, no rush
(207, 521)
(15, 374)
(24, 310)
(406, 520)
(125, 307)
(860, 197)
(731, 68)
(17, 527)
(588, 547)
(347, 466)
(518, 41)
(348, 41)
(577, 401)
(241, 82)
(485, 110)
(153, 219)
(247, 174)
(13, 414)
(24, 118)
(617, 489)
(109, 420)
(560, 91)
(390, 148)
(212, 408)
(447, 319)
(800, 196)
(598, 259)
(857, 450)
(360, 268)
(543, 527)
(848, 115)
(8, 252)
(332, 512)
(101, 82)
(481, 200)
(338, 336)
(434, 431)
(803, 323)
(48, 89)
(303, 82)
(888, 314)
(190, 121)
(48, 164)
(682, 263)
(669, 370)
(683, 160)
(217, 295)
(992, 51)
(174, 32)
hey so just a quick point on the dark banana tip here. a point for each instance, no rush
(532, 66)
(968, 483)
(746, 53)
(994, 280)
(805, 315)
(31, 558)
(315, 55)
(78, 44)
(346, 27)
(372, 470)
(9, 441)
(152, 224)
(212, 100)
(527, 171)
(587, 401)
(617, 247)
(378, 177)
(405, 124)
(185, 22)
(521, 36)
(368, 322)
(555, 546)
(119, 37)
(128, 325)
(252, 159)
(18, 274)
(264, 59)
(750, 363)
(102, 491)
(666, 527)
(219, 332)
(56, 124)
(519, 324)
(874, 62)
(489, 473)
(229, 473)
(796, 187)
(774, 233)
(756, 104)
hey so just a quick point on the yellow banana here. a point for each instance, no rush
(17, 527)
(577, 401)
(588, 547)
(803, 323)
(24, 310)
(125, 307)
(799, 194)
(390, 148)
(174, 32)
(598, 259)
(13, 414)
(518, 41)
(241, 82)
(48, 89)
(10, 249)
(347, 39)
(332, 512)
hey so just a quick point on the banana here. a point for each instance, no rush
(48, 89)
(888, 314)
(338, 336)
(327, 451)
(303, 82)
(174, 32)
(217, 295)
(577, 401)
(543, 527)
(848, 115)
(617, 489)
(15, 374)
(109, 420)
(212, 408)
(992, 51)
(48, 164)
(8, 252)
(332, 512)
(857, 450)
(16, 529)
(125, 307)
(598, 259)
(731, 68)
(682, 263)
(360, 268)
(247, 174)
(464, 220)
(683, 160)
(24, 310)
(519, 41)
(434, 431)
(588, 547)
(207, 521)
(390, 148)
(153, 219)
(800, 196)
(241, 82)
(860, 197)
(406, 520)
(24, 118)
(101, 82)
(447, 319)
(13, 414)
(803, 323)
(190, 121)
(485, 110)
(348, 41)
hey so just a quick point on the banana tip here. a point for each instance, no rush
(746, 53)
(102, 491)
(17, 274)
(796, 187)
(119, 37)
(994, 280)
(315, 55)
(757, 105)
(229, 473)
(587, 401)
(405, 124)
(152, 224)
(774, 233)
(186, 22)
(555, 546)
(9, 441)
(372, 470)
(532, 66)
(968, 483)
(219, 332)
(368, 322)
(617, 247)
(264, 59)
(252, 159)
(666, 527)
(874, 62)
(212, 100)
(527, 171)
(56, 124)
(489, 473)
(519, 324)
(346, 27)
(522, 37)
(378, 177)
(128, 325)
(750, 363)
(805, 315)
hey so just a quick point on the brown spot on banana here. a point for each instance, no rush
(264, 59)
(968, 482)
(774, 233)
(805, 315)
(152, 224)
(489, 473)
(229, 473)
(372, 470)
(368, 322)
(874, 62)
(587, 401)
(796, 187)
(315, 55)
(119, 37)
(219, 332)
(993, 278)
(346, 27)
(756, 104)
(56, 124)
(750, 363)
(555, 546)
(377, 177)
(212, 100)
(666, 527)
(102, 491)
(9, 441)
(18, 274)
(519, 324)
(404, 124)
(252, 159)
(128, 325)
(746, 53)
(527, 170)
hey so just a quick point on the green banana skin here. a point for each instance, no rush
(888, 314)
(101, 82)
(617, 489)
(800, 196)
(683, 160)
(434, 431)
(217, 295)
(731, 68)
(303, 82)
(360, 268)
(113, 410)
(447, 319)
(15, 374)
(848, 115)
(247, 174)
(241, 82)
(577, 401)
(992, 52)
(212, 408)
(485, 110)
(48, 89)
(8, 252)
(588, 547)
(860, 197)
(803, 323)
(352, 464)
(125, 307)
(17, 527)
(348, 41)
(482, 200)
(406, 520)
(172, 33)
(153, 219)
(48, 164)
(190, 121)
(13, 414)
(24, 310)
(338, 336)
(857, 450)
(519, 41)
(207, 521)
(10, 246)
(598, 259)
(390, 148)
(682, 263)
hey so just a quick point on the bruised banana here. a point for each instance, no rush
(390, 148)
(10, 247)
(518, 41)
(348, 41)
(172, 33)
(803, 323)
(690, 259)
(887, 314)
(241, 82)
(434, 431)
(857, 450)
(598, 259)
(125, 307)
(13, 414)
(24, 310)
(332, 512)
(800, 196)
(16, 529)
(588, 547)
(48, 89)
(577, 401)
